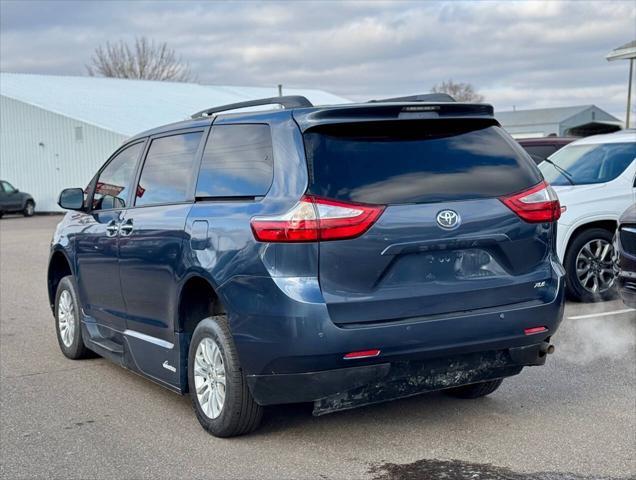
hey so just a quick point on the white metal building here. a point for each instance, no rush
(56, 131)
(577, 121)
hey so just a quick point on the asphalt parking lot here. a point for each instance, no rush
(574, 418)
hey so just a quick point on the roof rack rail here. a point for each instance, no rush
(289, 101)
(425, 97)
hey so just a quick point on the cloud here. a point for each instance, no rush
(526, 54)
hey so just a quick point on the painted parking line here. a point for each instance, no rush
(602, 314)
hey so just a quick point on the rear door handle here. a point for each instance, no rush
(112, 228)
(126, 228)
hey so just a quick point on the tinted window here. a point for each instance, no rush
(237, 162)
(7, 187)
(585, 164)
(412, 162)
(168, 171)
(113, 184)
(542, 151)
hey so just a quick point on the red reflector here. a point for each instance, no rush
(362, 354)
(538, 204)
(533, 330)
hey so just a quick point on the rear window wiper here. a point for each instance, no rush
(562, 171)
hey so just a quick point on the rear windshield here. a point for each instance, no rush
(415, 162)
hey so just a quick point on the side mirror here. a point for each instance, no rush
(71, 199)
(17, 190)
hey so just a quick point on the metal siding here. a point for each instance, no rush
(592, 114)
(39, 152)
(538, 115)
(552, 116)
(543, 128)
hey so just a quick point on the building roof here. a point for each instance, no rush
(130, 106)
(623, 52)
(542, 115)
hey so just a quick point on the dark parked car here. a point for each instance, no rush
(342, 255)
(626, 253)
(541, 148)
(13, 200)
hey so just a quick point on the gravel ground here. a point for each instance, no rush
(574, 418)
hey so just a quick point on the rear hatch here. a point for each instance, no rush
(445, 242)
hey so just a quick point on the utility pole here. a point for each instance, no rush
(629, 93)
(626, 52)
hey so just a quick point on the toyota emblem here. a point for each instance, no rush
(448, 219)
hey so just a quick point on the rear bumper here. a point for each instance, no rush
(627, 289)
(626, 279)
(352, 387)
(283, 326)
(291, 351)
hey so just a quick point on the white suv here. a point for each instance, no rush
(595, 178)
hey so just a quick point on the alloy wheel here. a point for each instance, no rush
(595, 266)
(66, 318)
(209, 377)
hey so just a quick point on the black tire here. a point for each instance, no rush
(240, 414)
(75, 349)
(574, 289)
(475, 390)
(29, 209)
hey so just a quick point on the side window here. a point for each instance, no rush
(113, 184)
(168, 171)
(238, 161)
(7, 187)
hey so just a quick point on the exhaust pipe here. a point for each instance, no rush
(546, 348)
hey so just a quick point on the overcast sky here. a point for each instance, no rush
(527, 54)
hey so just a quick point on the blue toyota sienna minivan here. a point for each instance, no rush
(342, 255)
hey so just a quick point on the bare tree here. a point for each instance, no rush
(462, 92)
(145, 59)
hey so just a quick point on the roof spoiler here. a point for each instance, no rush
(289, 101)
(382, 111)
(424, 97)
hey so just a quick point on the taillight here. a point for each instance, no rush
(315, 219)
(538, 204)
